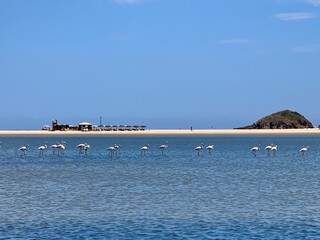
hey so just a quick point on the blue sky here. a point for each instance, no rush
(161, 63)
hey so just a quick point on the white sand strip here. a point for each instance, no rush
(164, 132)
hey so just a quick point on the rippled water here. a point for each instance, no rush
(179, 195)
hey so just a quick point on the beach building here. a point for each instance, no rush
(46, 128)
(85, 126)
(58, 127)
(55, 126)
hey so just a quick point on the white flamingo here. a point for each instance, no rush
(274, 149)
(163, 147)
(144, 149)
(61, 147)
(54, 147)
(24, 149)
(268, 148)
(112, 151)
(86, 148)
(199, 148)
(83, 147)
(255, 149)
(210, 148)
(80, 146)
(304, 150)
(42, 149)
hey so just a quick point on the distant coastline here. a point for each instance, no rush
(162, 132)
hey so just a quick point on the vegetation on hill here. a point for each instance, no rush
(281, 120)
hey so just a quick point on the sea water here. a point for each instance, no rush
(230, 194)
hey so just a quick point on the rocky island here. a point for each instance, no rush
(281, 120)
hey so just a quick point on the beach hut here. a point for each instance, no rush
(46, 128)
(85, 126)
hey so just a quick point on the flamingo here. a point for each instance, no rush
(61, 147)
(23, 149)
(303, 150)
(210, 148)
(254, 150)
(42, 148)
(144, 149)
(274, 149)
(199, 148)
(83, 146)
(86, 148)
(163, 146)
(112, 151)
(268, 148)
(54, 147)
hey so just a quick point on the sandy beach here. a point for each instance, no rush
(309, 131)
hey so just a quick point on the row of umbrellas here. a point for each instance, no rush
(120, 127)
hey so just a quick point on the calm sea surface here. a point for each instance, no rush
(179, 195)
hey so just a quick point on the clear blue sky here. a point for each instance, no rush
(162, 63)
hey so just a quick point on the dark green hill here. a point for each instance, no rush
(281, 120)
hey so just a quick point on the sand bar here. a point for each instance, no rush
(309, 131)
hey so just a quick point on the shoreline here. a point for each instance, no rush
(308, 131)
